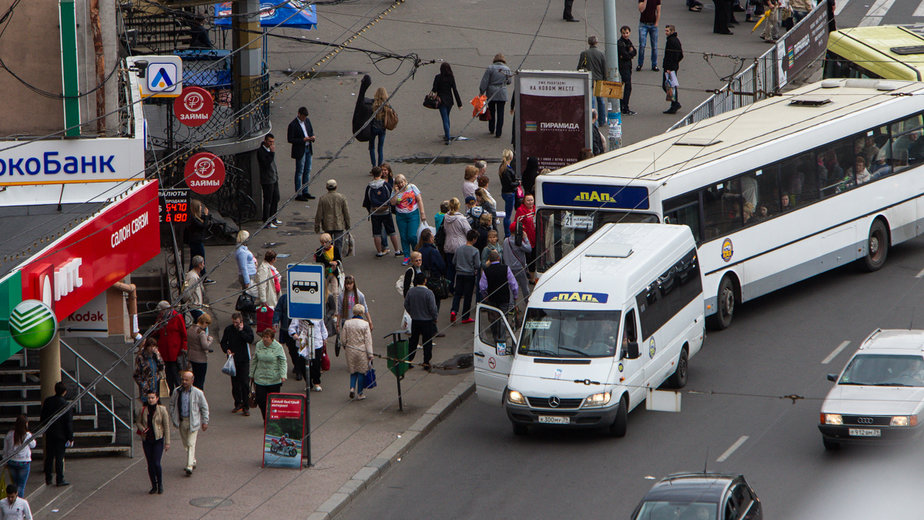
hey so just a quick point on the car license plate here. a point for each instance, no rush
(864, 432)
(554, 419)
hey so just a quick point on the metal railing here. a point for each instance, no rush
(80, 361)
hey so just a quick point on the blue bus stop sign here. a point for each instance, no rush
(306, 291)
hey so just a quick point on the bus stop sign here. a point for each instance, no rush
(306, 291)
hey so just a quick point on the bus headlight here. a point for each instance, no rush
(597, 400)
(514, 397)
(832, 418)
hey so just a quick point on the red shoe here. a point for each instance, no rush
(468, 320)
(452, 317)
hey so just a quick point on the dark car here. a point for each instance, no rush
(700, 496)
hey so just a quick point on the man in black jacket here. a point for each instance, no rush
(58, 435)
(235, 341)
(269, 180)
(627, 53)
(301, 137)
(673, 53)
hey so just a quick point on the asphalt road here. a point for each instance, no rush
(472, 466)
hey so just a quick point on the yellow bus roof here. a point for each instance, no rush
(871, 48)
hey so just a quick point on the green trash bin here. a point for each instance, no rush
(398, 350)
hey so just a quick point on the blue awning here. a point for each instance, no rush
(292, 13)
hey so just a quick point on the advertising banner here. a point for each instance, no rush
(74, 269)
(194, 106)
(803, 44)
(552, 117)
(284, 431)
(298, 14)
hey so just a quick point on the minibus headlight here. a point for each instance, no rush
(514, 397)
(597, 400)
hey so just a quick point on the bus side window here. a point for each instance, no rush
(907, 145)
(684, 210)
(798, 180)
(722, 213)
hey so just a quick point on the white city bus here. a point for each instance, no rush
(771, 190)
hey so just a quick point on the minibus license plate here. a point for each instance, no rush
(554, 419)
(863, 432)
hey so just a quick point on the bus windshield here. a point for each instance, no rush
(561, 230)
(569, 334)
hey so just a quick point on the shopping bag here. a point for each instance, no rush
(182, 360)
(480, 104)
(370, 377)
(264, 318)
(163, 390)
(325, 360)
(252, 398)
(406, 323)
(229, 367)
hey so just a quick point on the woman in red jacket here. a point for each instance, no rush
(171, 339)
(526, 215)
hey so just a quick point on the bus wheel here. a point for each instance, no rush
(679, 378)
(618, 428)
(725, 305)
(877, 247)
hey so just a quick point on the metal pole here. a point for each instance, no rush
(611, 51)
(307, 440)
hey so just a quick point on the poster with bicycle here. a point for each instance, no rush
(284, 431)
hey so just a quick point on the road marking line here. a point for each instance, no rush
(840, 6)
(840, 348)
(920, 10)
(876, 12)
(921, 272)
(741, 440)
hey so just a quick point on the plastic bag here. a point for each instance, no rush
(480, 103)
(229, 367)
(370, 377)
(406, 323)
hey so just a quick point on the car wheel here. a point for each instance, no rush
(620, 424)
(520, 429)
(725, 305)
(877, 247)
(830, 445)
(679, 378)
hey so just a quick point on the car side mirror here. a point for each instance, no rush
(632, 350)
(832, 378)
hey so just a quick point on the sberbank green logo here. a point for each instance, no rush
(33, 324)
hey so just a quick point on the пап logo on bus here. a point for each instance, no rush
(582, 297)
(727, 249)
(593, 196)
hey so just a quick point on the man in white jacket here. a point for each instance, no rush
(189, 412)
(310, 336)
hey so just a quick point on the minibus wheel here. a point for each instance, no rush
(618, 428)
(679, 378)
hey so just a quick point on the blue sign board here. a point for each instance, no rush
(595, 196)
(306, 291)
(292, 13)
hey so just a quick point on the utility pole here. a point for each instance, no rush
(611, 36)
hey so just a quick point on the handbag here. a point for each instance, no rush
(370, 377)
(521, 193)
(440, 287)
(163, 390)
(391, 118)
(252, 398)
(325, 360)
(245, 303)
(431, 100)
(484, 116)
(337, 346)
(229, 367)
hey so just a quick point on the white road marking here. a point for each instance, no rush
(921, 272)
(741, 440)
(840, 348)
(839, 6)
(920, 10)
(876, 12)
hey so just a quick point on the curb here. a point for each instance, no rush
(377, 467)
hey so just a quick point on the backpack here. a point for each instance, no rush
(378, 197)
(440, 238)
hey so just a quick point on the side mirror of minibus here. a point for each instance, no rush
(632, 350)
(832, 378)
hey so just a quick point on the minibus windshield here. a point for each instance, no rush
(561, 333)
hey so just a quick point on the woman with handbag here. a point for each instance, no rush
(444, 84)
(356, 337)
(268, 368)
(432, 263)
(152, 423)
(148, 368)
(199, 344)
(509, 185)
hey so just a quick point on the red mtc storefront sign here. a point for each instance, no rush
(89, 259)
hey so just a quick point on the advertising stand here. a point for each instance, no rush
(285, 431)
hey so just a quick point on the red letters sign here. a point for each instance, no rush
(205, 173)
(89, 259)
(194, 106)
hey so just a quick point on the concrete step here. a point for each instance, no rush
(89, 451)
(13, 371)
(19, 388)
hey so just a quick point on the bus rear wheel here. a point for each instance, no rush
(725, 305)
(877, 247)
